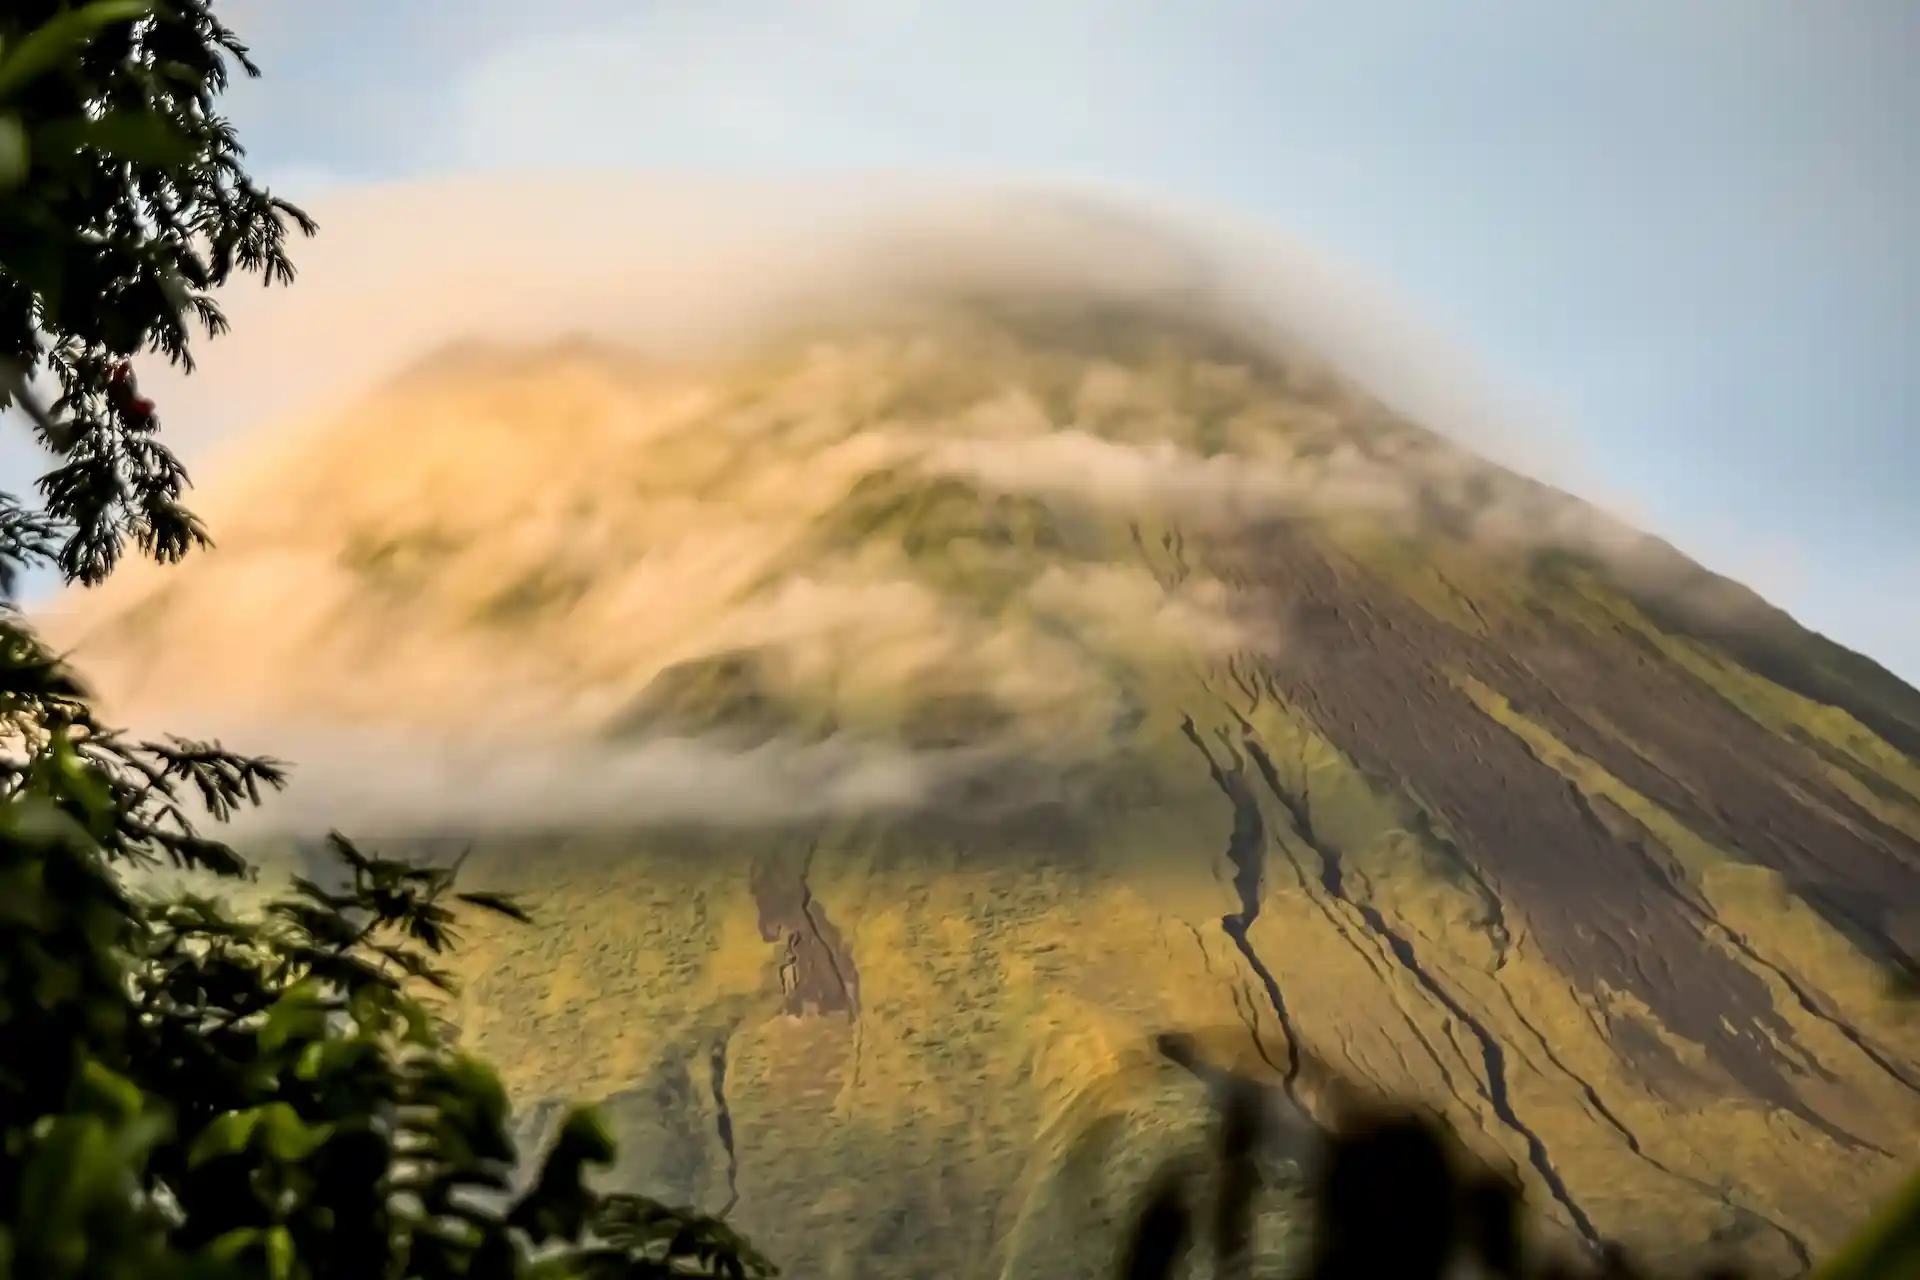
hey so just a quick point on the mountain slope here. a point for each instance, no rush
(980, 692)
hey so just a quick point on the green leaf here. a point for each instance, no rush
(62, 37)
(229, 1246)
(287, 1136)
(14, 151)
(300, 1014)
(227, 1135)
(39, 263)
(82, 781)
(279, 1249)
(40, 824)
(114, 1096)
(1888, 1248)
(132, 137)
(133, 1145)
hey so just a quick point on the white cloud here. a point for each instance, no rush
(389, 785)
(399, 270)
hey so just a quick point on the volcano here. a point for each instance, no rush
(902, 724)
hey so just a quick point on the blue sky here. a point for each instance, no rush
(1690, 231)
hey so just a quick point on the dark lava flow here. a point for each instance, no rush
(817, 975)
(1602, 912)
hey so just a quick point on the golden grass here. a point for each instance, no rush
(996, 1096)
(995, 1106)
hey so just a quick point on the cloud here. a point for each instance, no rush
(1405, 485)
(534, 541)
(674, 264)
(391, 785)
(670, 517)
(1126, 615)
(572, 496)
(1225, 488)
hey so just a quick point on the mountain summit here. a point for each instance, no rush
(898, 725)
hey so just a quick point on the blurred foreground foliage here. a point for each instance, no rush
(189, 1093)
(186, 1093)
(1395, 1197)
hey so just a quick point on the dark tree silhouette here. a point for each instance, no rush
(183, 1092)
(1394, 1196)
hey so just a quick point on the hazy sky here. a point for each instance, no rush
(1688, 229)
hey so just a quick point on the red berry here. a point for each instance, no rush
(141, 407)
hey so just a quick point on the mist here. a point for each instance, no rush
(678, 267)
(388, 785)
(552, 335)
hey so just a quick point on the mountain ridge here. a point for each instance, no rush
(978, 696)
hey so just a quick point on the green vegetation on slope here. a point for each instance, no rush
(1324, 783)
(187, 1095)
(1250, 769)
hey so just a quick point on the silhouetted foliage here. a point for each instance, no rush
(123, 202)
(185, 1092)
(208, 1095)
(1395, 1197)
(1162, 1229)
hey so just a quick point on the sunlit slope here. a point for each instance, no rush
(1219, 699)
